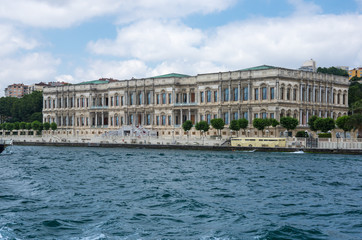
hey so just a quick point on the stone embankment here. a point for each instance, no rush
(157, 143)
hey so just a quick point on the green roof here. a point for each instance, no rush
(262, 67)
(94, 82)
(170, 75)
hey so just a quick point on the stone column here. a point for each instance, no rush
(229, 92)
(182, 119)
(219, 94)
(239, 92)
(300, 117)
(96, 117)
(102, 119)
(249, 92)
(277, 91)
(320, 94)
(189, 115)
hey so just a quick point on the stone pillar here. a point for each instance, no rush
(189, 115)
(229, 92)
(239, 92)
(249, 92)
(102, 119)
(277, 91)
(96, 117)
(320, 94)
(300, 117)
(219, 94)
(307, 117)
(173, 97)
(182, 119)
(326, 92)
(308, 97)
(173, 118)
(301, 93)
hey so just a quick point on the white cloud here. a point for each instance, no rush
(12, 40)
(112, 69)
(303, 8)
(31, 68)
(285, 42)
(65, 78)
(50, 13)
(151, 41)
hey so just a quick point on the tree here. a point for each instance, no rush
(274, 124)
(22, 125)
(16, 125)
(311, 123)
(9, 126)
(289, 123)
(202, 126)
(53, 126)
(218, 124)
(324, 124)
(342, 123)
(354, 93)
(46, 126)
(36, 125)
(187, 125)
(28, 126)
(260, 124)
(355, 121)
(234, 125)
(243, 123)
(333, 70)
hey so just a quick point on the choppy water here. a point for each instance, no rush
(95, 193)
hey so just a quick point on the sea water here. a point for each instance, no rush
(109, 193)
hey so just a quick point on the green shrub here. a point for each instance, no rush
(324, 135)
(301, 134)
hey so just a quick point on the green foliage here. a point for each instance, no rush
(301, 134)
(28, 126)
(234, 125)
(36, 125)
(22, 109)
(354, 93)
(202, 126)
(187, 125)
(217, 123)
(342, 123)
(53, 126)
(260, 123)
(324, 124)
(355, 121)
(333, 70)
(289, 123)
(311, 123)
(357, 106)
(355, 78)
(46, 126)
(22, 125)
(16, 125)
(324, 135)
(273, 122)
(9, 126)
(243, 123)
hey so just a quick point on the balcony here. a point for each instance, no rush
(99, 107)
(185, 104)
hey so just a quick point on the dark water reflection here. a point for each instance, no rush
(95, 193)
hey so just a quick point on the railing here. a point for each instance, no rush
(185, 104)
(99, 107)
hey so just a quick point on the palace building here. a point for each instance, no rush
(163, 103)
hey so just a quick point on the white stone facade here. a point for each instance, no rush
(164, 103)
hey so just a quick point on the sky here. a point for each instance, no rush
(82, 40)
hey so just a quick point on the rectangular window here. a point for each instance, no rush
(201, 117)
(256, 115)
(272, 93)
(236, 94)
(148, 119)
(246, 115)
(201, 97)
(163, 98)
(169, 98)
(148, 98)
(111, 101)
(117, 120)
(163, 120)
(157, 120)
(215, 96)
(131, 99)
(256, 95)
(169, 120)
(226, 94)
(264, 115)
(246, 93)
(208, 99)
(288, 94)
(272, 115)
(122, 100)
(226, 117)
(294, 94)
(236, 116)
(208, 118)
(140, 102)
(158, 98)
(264, 92)
(131, 119)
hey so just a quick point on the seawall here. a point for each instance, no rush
(190, 147)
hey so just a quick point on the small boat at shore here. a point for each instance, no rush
(4, 144)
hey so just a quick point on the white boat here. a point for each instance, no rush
(298, 152)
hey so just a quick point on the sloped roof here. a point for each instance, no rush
(94, 82)
(262, 67)
(170, 75)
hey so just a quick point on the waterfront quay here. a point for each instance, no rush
(342, 146)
